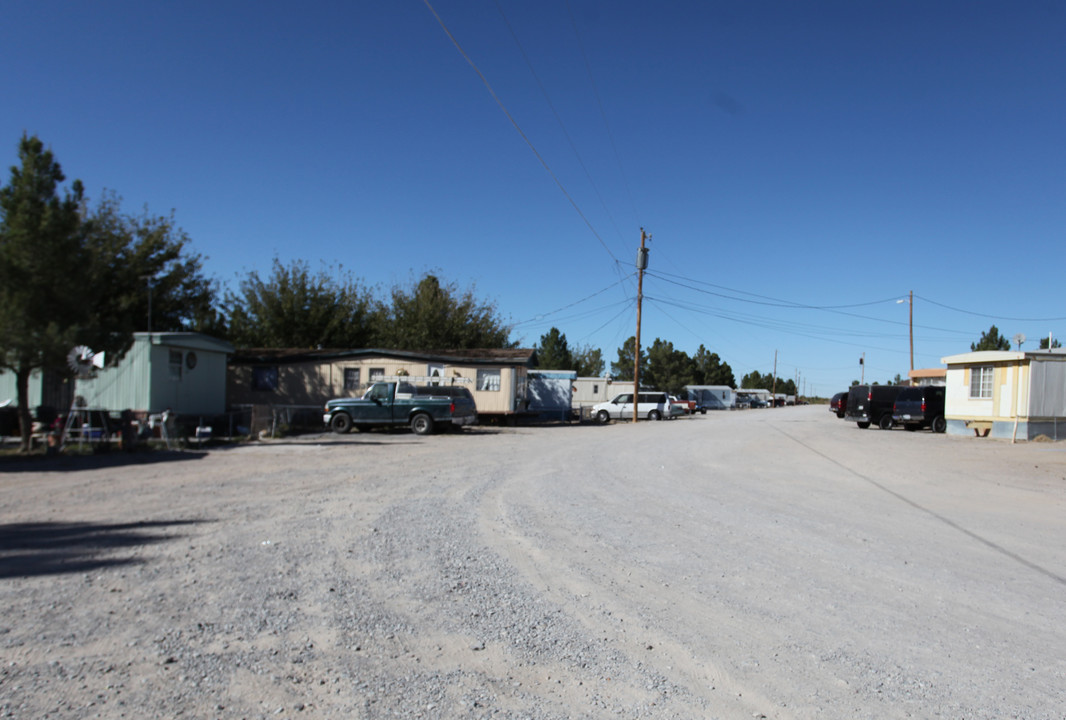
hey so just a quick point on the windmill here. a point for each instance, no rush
(84, 362)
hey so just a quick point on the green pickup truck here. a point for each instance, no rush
(385, 404)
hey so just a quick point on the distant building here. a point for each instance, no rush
(927, 376)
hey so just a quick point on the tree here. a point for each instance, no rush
(1044, 343)
(41, 254)
(295, 308)
(553, 352)
(70, 277)
(432, 316)
(144, 278)
(588, 362)
(667, 368)
(710, 370)
(756, 381)
(991, 340)
(622, 369)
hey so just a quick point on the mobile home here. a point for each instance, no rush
(712, 397)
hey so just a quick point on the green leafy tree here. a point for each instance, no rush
(991, 340)
(553, 352)
(756, 381)
(41, 255)
(434, 316)
(146, 278)
(710, 370)
(70, 276)
(622, 369)
(668, 369)
(588, 362)
(296, 308)
(1054, 343)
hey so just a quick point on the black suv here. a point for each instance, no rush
(918, 407)
(872, 404)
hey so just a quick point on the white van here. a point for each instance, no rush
(651, 406)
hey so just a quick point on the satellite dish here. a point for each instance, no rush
(1018, 340)
(82, 360)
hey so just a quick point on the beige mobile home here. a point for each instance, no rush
(589, 391)
(308, 378)
(1004, 394)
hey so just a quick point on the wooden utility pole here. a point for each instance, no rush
(642, 264)
(773, 385)
(910, 309)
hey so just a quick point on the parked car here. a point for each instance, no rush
(650, 406)
(838, 404)
(392, 404)
(872, 404)
(918, 407)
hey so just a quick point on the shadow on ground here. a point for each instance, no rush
(32, 549)
(74, 462)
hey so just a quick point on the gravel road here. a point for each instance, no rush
(758, 564)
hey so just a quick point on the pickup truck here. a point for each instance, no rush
(387, 404)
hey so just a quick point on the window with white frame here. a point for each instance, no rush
(175, 364)
(351, 378)
(488, 380)
(981, 382)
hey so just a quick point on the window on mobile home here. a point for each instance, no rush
(351, 378)
(488, 380)
(265, 378)
(175, 364)
(981, 382)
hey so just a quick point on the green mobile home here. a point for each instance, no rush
(181, 371)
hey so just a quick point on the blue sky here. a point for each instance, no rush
(801, 167)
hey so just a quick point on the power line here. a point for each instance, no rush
(603, 114)
(559, 119)
(541, 316)
(514, 122)
(984, 315)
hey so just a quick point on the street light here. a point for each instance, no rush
(910, 312)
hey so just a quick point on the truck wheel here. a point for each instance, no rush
(864, 424)
(340, 423)
(422, 424)
(939, 424)
(603, 417)
(655, 415)
(885, 423)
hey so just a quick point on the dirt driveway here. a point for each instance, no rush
(767, 563)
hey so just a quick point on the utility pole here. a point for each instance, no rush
(642, 264)
(910, 312)
(862, 364)
(773, 385)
